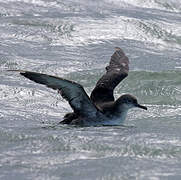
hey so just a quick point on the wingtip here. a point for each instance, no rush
(118, 49)
(16, 70)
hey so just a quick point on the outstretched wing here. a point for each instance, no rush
(73, 92)
(116, 71)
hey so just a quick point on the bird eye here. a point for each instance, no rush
(129, 101)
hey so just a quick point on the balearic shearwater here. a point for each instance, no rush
(100, 108)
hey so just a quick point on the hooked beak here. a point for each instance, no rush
(142, 107)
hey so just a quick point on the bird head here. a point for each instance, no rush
(128, 101)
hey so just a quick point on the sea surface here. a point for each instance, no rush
(75, 39)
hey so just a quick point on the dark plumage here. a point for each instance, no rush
(100, 108)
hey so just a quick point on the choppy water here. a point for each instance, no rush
(74, 40)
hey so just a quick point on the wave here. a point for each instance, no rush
(90, 24)
(169, 5)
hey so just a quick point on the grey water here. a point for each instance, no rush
(75, 39)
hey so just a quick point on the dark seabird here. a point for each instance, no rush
(100, 108)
